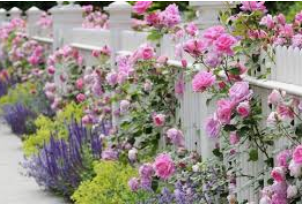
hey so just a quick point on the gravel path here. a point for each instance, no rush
(14, 187)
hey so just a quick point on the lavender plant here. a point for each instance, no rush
(18, 117)
(62, 164)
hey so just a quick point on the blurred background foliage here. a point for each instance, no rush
(289, 8)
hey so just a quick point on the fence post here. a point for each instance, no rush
(3, 16)
(65, 18)
(33, 14)
(207, 13)
(119, 20)
(15, 13)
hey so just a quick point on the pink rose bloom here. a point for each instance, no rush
(164, 166)
(212, 127)
(146, 171)
(253, 6)
(282, 158)
(297, 154)
(203, 80)
(297, 40)
(195, 47)
(134, 184)
(51, 70)
(79, 84)
(281, 19)
(298, 18)
(279, 199)
(286, 31)
(145, 52)
(285, 112)
(224, 110)
(275, 97)
(295, 169)
(192, 29)
(267, 21)
(213, 32)
(265, 200)
(162, 59)
(278, 174)
(170, 16)
(234, 138)
(292, 191)
(159, 120)
(87, 120)
(140, 7)
(80, 97)
(240, 91)
(224, 44)
(176, 137)
(153, 19)
(244, 109)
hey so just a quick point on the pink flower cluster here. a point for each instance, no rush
(238, 101)
(288, 163)
(94, 19)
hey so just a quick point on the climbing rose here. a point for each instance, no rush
(112, 78)
(203, 80)
(234, 138)
(278, 174)
(243, 109)
(164, 166)
(253, 6)
(224, 44)
(274, 98)
(213, 32)
(195, 47)
(297, 40)
(80, 97)
(298, 18)
(267, 21)
(145, 52)
(295, 169)
(159, 120)
(292, 191)
(140, 7)
(285, 112)
(191, 29)
(240, 91)
(297, 154)
(79, 84)
(282, 158)
(170, 16)
(224, 110)
(134, 184)
(175, 136)
(212, 127)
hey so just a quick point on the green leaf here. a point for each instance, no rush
(253, 155)
(218, 153)
(154, 35)
(229, 128)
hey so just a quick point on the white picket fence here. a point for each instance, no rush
(285, 75)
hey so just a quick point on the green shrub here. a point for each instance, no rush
(110, 186)
(45, 126)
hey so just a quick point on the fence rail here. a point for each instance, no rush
(285, 75)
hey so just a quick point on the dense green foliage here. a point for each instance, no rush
(109, 186)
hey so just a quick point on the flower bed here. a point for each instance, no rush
(65, 113)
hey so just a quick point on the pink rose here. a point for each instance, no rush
(195, 47)
(297, 40)
(285, 112)
(281, 19)
(267, 21)
(212, 127)
(140, 7)
(164, 166)
(274, 98)
(134, 184)
(224, 110)
(240, 91)
(213, 32)
(112, 78)
(298, 18)
(278, 174)
(292, 191)
(192, 29)
(203, 80)
(176, 137)
(170, 16)
(159, 120)
(253, 6)
(234, 138)
(295, 169)
(145, 52)
(243, 109)
(286, 31)
(282, 158)
(297, 155)
(80, 97)
(79, 84)
(224, 43)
